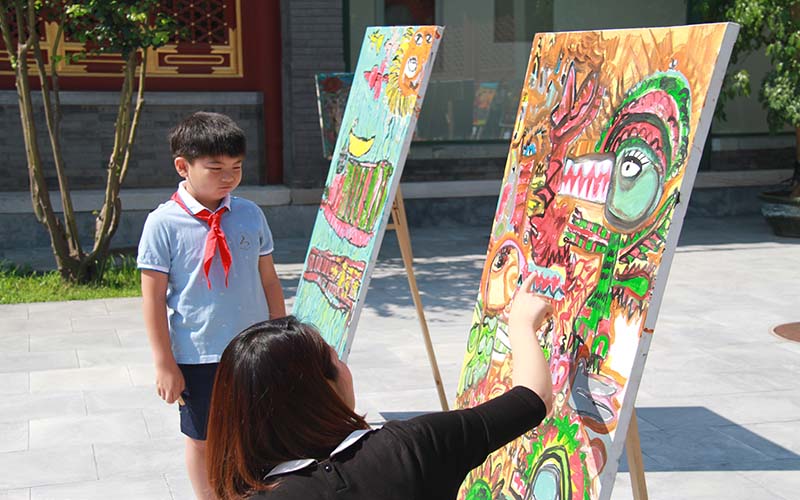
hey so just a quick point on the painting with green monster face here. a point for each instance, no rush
(604, 152)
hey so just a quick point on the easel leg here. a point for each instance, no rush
(400, 225)
(635, 463)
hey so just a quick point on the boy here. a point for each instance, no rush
(207, 273)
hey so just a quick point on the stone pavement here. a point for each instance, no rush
(719, 404)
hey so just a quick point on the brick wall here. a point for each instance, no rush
(313, 42)
(88, 136)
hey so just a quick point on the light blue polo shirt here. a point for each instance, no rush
(201, 321)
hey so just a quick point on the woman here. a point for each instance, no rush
(282, 421)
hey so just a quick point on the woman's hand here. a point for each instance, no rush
(529, 368)
(529, 308)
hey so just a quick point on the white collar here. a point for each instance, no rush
(195, 206)
(302, 463)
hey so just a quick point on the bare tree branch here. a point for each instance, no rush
(50, 113)
(54, 70)
(135, 121)
(104, 220)
(40, 196)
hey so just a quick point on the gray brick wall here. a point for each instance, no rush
(313, 42)
(88, 136)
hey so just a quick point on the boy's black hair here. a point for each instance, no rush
(206, 134)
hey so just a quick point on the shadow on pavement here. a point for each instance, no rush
(713, 443)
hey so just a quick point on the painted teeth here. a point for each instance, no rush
(586, 179)
(569, 166)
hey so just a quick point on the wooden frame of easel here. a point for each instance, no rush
(400, 226)
(635, 462)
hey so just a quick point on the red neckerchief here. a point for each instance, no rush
(214, 240)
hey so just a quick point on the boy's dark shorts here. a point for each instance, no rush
(197, 398)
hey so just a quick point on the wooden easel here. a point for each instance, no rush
(635, 463)
(400, 226)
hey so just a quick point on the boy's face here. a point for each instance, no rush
(210, 178)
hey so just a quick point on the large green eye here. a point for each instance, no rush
(636, 185)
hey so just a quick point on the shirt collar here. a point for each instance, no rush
(295, 465)
(195, 206)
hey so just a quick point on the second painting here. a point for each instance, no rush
(388, 87)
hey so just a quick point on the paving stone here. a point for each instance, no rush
(24, 407)
(14, 383)
(24, 469)
(674, 382)
(13, 436)
(143, 374)
(20, 494)
(36, 361)
(163, 422)
(14, 342)
(180, 486)
(80, 379)
(123, 320)
(88, 358)
(60, 432)
(779, 440)
(69, 309)
(123, 398)
(74, 340)
(132, 337)
(45, 324)
(126, 305)
(150, 487)
(783, 481)
(693, 448)
(705, 485)
(155, 456)
(14, 311)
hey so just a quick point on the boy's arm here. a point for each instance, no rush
(272, 287)
(169, 379)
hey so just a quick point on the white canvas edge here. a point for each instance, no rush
(632, 387)
(401, 161)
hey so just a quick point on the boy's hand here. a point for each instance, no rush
(169, 382)
(529, 309)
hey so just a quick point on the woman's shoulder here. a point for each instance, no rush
(414, 431)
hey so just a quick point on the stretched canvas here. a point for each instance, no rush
(332, 92)
(609, 132)
(389, 84)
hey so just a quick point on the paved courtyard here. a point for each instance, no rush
(719, 404)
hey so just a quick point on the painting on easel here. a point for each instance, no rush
(387, 92)
(603, 156)
(332, 92)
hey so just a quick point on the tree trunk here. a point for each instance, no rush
(127, 122)
(73, 263)
(52, 114)
(40, 197)
(796, 177)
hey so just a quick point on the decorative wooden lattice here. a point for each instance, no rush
(209, 45)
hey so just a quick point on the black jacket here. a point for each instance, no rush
(427, 457)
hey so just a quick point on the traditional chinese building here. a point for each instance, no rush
(255, 60)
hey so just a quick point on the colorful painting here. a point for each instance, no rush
(332, 92)
(604, 152)
(386, 96)
(481, 106)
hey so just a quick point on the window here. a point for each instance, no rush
(476, 81)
